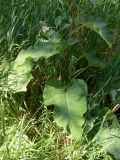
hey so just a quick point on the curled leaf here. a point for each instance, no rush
(99, 26)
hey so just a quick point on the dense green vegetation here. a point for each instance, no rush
(59, 80)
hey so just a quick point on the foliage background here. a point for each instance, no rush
(27, 129)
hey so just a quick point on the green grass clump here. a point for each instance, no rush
(28, 138)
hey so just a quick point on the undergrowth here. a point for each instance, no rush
(28, 129)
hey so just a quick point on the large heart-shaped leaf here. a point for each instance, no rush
(20, 74)
(100, 27)
(70, 104)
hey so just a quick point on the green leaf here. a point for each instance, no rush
(109, 135)
(20, 74)
(70, 104)
(100, 27)
(44, 49)
(93, 59)
(58, 21)
(109, 139)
